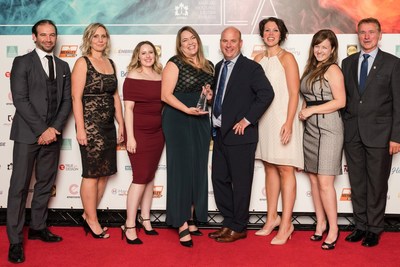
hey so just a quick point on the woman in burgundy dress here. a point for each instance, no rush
(144, 136)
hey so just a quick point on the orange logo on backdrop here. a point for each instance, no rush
(68, 50)
(157, 191)
(121, 146)
(346, 194)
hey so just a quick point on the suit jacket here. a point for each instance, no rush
(376, 113)
(30, 97)
(248, 94)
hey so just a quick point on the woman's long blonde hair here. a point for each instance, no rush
(88, 36)
(135, 63)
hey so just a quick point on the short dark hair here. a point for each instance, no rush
(41, 22)
(369, 20)
(281, 26)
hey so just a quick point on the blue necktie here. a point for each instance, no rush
(363, 73)
(220, 92)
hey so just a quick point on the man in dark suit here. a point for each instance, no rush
(41, 90)
(242, 94)
(372, 129)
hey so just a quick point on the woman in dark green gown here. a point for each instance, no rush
(187, 134)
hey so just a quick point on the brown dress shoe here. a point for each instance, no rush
(232, 236)
(219, 233)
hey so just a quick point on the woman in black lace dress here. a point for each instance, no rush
(96, 102)
(187, 134)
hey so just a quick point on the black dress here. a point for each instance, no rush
(187, 140)
(99, 156)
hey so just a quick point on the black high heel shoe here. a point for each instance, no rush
(315, 237)
(147, 232)
(87, 229)
(182, 234)
(135, 241)
(196, 232)
(330, 246)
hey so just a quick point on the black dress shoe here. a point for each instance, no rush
(370, 240)
(45, 235)
(16, 253)
(355, 236)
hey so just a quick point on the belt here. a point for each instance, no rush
(316, 103)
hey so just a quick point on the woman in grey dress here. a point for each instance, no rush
(322, 86)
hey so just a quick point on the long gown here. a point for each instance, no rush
(323, 134)
(99, 156)
(146, 127)
(270, 147)
(187, 140)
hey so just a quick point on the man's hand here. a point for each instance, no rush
(49, 136)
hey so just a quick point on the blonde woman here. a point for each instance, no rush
(96, 102)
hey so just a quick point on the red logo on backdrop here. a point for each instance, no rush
(7, 74)
(61, 167)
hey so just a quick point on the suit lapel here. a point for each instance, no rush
(374, 69)
(233, 76)
(354, 73)
(41, 74)
(60, 79)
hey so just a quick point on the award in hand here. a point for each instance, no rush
(202, 102)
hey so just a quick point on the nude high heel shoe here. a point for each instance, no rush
(265, 232)
(277, 241)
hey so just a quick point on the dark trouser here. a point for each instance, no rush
(369, 171)
(232, 178)
(25, 157)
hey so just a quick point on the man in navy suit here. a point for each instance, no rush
(372, 129)
(41, 91)
(242, 93)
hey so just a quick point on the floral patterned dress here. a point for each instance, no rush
(99, 156)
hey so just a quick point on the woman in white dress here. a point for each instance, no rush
(280, 131)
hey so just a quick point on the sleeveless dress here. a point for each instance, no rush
(187, 140)
(323, 133)
(146, 127)
(99, 156)
(270, 147)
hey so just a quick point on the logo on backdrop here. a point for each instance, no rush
(257, 49)
(68, 50)
(157, 191)
(10, 102)
(66, 144)
(121, 146)
(161, 167)
(2, 143)
(7, 74)
(124, 51)
(395, 170)
(53, 191)
(351, 49)
(73, 191)
(12, 51)
(119, 192)
(345, 169)
(9, 167)
(181, 11)
(397, 50)
(123, 73)
(346, 194)
(68, 167)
